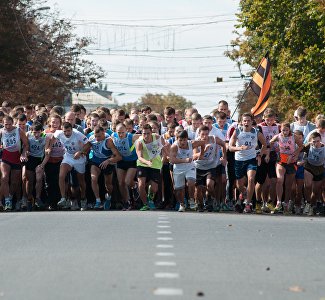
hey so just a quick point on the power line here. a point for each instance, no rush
(153, 26)
(168, 67)
(180, 72)
(154, 19)
(153, 56)
(160, 50)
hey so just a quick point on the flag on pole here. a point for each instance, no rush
(261, 85)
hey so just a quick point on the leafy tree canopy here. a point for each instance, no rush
(294, 34)
(158, 102)
(41, 58)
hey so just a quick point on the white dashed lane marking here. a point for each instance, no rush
(164, 246)
(168, 292)
(167, 275)
(163, 238)
(165, 263)
(165, 254)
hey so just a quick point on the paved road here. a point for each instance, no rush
(160, 255)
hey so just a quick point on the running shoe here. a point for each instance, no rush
(18, 205)
(278, 209)
(144, 207)
(238, 207)
(286, 210)
(29, 206)
(151, 204)
(8, 204)
(200, 208)
(192, 204)
(83, 204)
(67, 204)
(311, 211)
(129, 205)
(258, 208)
(74, 205)
(318, 208)
(270, 206)
(209, 204)
(108, 201)
(39, 203)
(97, 204)
(265, 208)
(23, 204)
(297, 210)
(181, 208)
(307, 209)
(247, 209)
(217, 207)
(225, 207)
(290, 206)
(62, 202)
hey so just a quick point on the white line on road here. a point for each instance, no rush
(163, 226)
(168, 292)
(165, 263)
(165, 254)
(164, 232)
(166, 275)
(165, 222)
(164, 238)
(164, 246)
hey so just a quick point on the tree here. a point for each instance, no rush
(42, 60)
(158, 102)
(293, 32)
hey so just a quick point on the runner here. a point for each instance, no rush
(181, 156)
(244, 142)
(266, 171)
(102, 158)
(289, 148)
(314, 171)
(37, 159)
(206, 162)
(12, 140)
(74, 158)
(127, 167)
(149, 162)
(52, 168)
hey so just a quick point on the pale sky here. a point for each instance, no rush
(160, 46)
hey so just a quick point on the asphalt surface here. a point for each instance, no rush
(160, 255)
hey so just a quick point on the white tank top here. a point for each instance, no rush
(72, 144)
(316, 156)
(36, 146)
(269, 132)
(11, 140)
(183, 154)
(209, 160)
(153, 148)
(286, 144)
(246, 139)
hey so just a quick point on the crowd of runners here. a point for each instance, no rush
(145, 160)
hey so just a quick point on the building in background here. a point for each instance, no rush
(92, 98)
